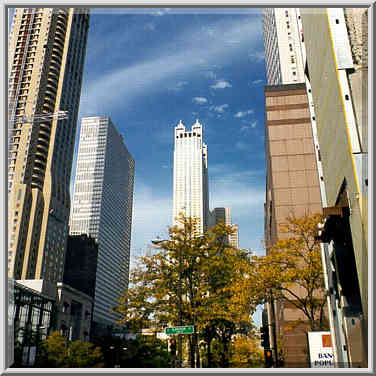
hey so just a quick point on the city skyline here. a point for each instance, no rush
(216, 73)
(157, 88)
(211, 67)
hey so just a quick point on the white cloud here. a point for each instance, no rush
(160, 12)
(210, 74)
(245, 129)
(178, 86)
(199, 100)
(162, 65)
(210, 31)
(257, 56)
(241, 114)
(256, 82)
(149, 26)
(219, 109)
(240, 145)
(243, 191)
(221, 84)
(233, 189)
(152, 214)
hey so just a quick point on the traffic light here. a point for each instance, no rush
(265, 341)
(173, 346)
(268, 358)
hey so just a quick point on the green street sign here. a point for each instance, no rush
(189, 329)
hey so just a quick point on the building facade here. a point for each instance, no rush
(71, 310)
(282, 46)
(80, 268)
(33, 317)
(191, 194)
(294, 183)
(223, 215)
(102, 209)
(46, 60)
(292, 189)
(74, 313)
(341, 107)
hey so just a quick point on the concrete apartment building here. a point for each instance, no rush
(293, 184)
(223, 215)
(341, 108)
(102, 209)
(191, 194)
(46, 59)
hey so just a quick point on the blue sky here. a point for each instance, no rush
(148, 69)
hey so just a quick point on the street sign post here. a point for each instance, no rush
(188, 329)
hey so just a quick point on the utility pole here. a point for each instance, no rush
(274, 330)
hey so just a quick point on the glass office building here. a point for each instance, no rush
(102, 209)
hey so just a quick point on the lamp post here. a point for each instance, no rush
(180, 344)
(116, 355)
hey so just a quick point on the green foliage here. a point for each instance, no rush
(57, 353)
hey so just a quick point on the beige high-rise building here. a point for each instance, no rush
(46, 60)
(191, 194)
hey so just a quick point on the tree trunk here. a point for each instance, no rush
(198, 360)
(209, 365)
(191, 352)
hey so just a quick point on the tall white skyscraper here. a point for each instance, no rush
(283, 55)
(102, 208)
(191, 194)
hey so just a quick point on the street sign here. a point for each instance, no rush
(188, 329)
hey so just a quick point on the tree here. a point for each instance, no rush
(139, 352)
(291, 271)
(188, 280)
(57, 353)
(246, 352)
(146, 352)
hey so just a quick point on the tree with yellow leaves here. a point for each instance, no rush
(246, 352)
(188, 280)
(292, 270)
(57, 352)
